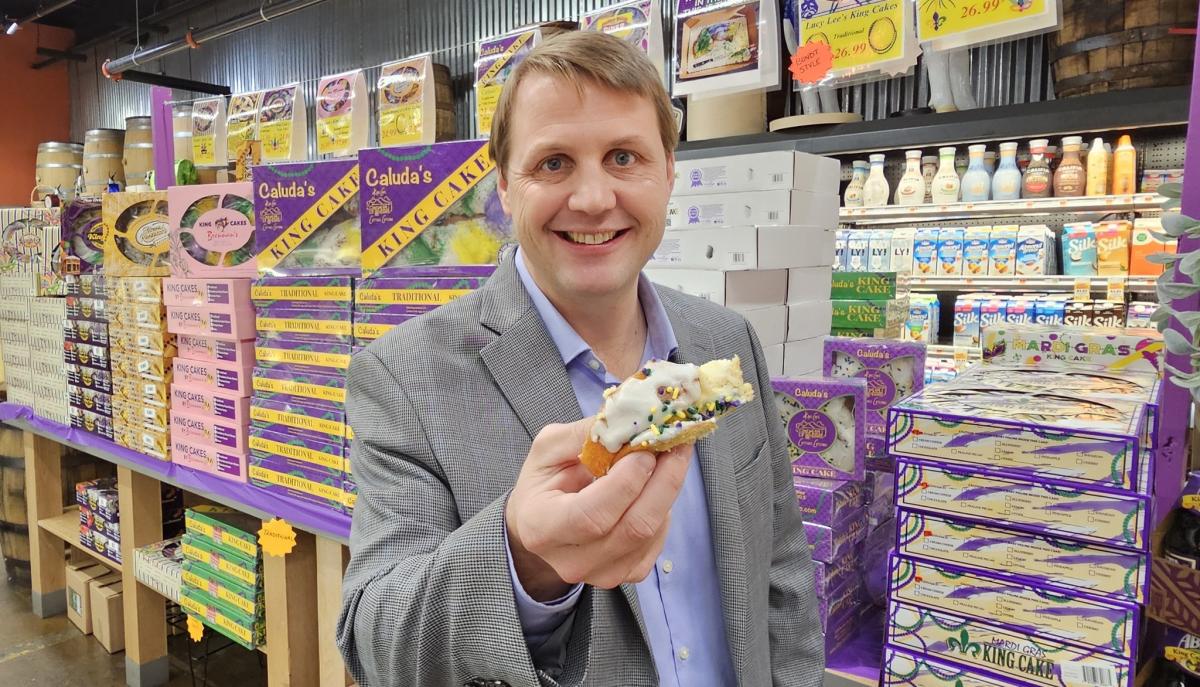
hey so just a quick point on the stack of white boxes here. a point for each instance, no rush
(755, 233)
(46, 317)
(16, 290)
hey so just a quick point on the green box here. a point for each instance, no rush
(222, 587)
(864, 314)
(864, 286)
(877, 333)
(247, 571)
(244, 629)
(226, 528)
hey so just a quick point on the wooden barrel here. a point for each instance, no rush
(58, 168)
(1115, 45)
(181, 130)
(102, 153)
(14, 517)
(139, 150)
(443, 93)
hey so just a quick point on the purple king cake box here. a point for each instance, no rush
(1108, 625)
(825, 421)
(283, 417)
(905, 669)
(306, 469)
(1068, 564)
(303, 356)
(303, 324)
(830, 576)
(430, 205)
(221, 462)
(1009, 653)
(1043, 507)
(307, 218)
(827, 502)
(413, 295)
(371, 326)
(829, 544)
(311, 293)
(324, 391)
(1050, 435)
(839, 602)
(290, 448)
(893, 370)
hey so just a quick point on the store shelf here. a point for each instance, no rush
(1002, 208)
(1055, 282)
(66, 528)
(1089, 114)
(973, 353)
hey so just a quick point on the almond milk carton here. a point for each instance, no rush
(1079, 249)
(925, 253)
(976, 244)
(950, 252)
(1033, 249)
(902, 250)
(1002, 251)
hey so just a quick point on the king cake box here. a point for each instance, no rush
(210, 402)
(89, 378)
(416, 294)
(1099, 570)
(91, 285)
(1078, 379)
(831, 576)
(247, 570)
(146, 290)
(349, 494)
(320, 424)
(83, 231)
(294, 480)
(301, 324)
(1046, 435)
(212, 230)
(1007, 652)
(246, 630)
(311, 293)
(1134, 350)
(1107, 625)
(83, 331)
(307, 218)
(280, 451)
(827, 502)
(214, 350)
(86, 308)
(904, 669)
(91, 422)
(371, 326)
(324, 391)
(1043, 507)
(202, 429)
(224, 527)
(430, 205)
(303, 356)
(90, 400)
(215, 295)
(148, 341)
(223, 588)
(148, 367)
(137, 239)
(841, 602)
(830, 544)
(231, 465)
(825, 421)
(238, 325)
(230, 378)
(159, 567)
(141, 391)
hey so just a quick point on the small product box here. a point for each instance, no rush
(318, 326)
(1112, 248)
(222, 588)
(412, 295)
(327, 391)
(224, 527)
(1034, 250)
(137, 237)
(211, 349)
(950, 252)
(893, 371)
(827, 502)
(279, 451)
(831, 576)
(238, 325)
(312, 293)
(976, 251)
(226, 463)
(313, 485)
(864, 314)
(203, 429)
(901, 668)
(212, 403)
(925, 253)
(867, 286)
(246, 570)
(230, 378)
(778, 246)
(774, 170)
(246, 630)
(212, 230)
(741, 289)
(215, 295)
(754, 207)
(1079, 249)
(830, 544)
(322, 424)
(1135, 350)
(825, 420)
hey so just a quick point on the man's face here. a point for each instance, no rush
(587, 183)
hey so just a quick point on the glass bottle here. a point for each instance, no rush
(1036, 183)
(946, 182)
(1069, 179)
(929, 167)
(1006, 182)
(976, 184)
(854, 192)
(911, 190)
(1097, 169)
(876, 189)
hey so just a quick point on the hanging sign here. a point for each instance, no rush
(637, 22)
(725, 46)
(498, 57)
(406, 102)
(949, 24)
(873, 36)
(242, 122)
(283, 124)
(341, 113)
(208, 132)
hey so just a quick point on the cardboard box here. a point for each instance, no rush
(745, 248)
(770, 324)
(310, 224)
(739, 289)
(754, 207)
(774, 358)
(238, 324)
(809, 319)
(108, 614)
(212, 230)
(809, 284)
(773, 170)
(79, 604)
(314, 293)
(800, 358)
(137, 239)
(824, 420)
(1135, 350)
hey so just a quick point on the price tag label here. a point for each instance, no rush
(966, 21)
(1116, 289)
(277, 538)
(195, 629)
(861, 34)
(961, 359)
(1191, 502)
(1083, 289)
(812, 62)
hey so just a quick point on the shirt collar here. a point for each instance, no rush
(660, 337)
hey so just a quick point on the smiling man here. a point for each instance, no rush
(482, 551)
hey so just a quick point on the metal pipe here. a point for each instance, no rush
(194, 38)
(43, 11)
(160, 17)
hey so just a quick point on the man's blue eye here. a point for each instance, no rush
(552, 165)
(623, 158)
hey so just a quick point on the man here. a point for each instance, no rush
(482, 550)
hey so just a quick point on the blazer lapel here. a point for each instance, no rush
(696, 346)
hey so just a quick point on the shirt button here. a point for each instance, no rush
(668, 566)
(684, 653)
(594, 364)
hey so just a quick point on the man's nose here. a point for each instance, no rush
(593, 191)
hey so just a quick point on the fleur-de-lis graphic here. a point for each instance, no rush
(808, 9)
(964, 644)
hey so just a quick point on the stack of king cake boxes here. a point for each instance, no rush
(1023, 492)
(100, 515)
(755, 233)
(47, 315)
(86, 355)
(298, 434)
(141, 356)
(222, 573)
(16, 292)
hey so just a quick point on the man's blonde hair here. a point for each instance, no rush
(578, 56)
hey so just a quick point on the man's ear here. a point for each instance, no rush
(502, 190)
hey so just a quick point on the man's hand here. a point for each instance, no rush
(564, 528)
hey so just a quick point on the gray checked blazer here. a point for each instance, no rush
(444, 409)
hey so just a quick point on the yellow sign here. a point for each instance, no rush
(195, 629)
(941, 19)
(277, 538)
(1083, 289)
(860, 35)
(1191, 502)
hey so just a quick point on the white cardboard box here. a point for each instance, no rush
(744, 248)
(774, 356)
(809, 319)
(744, 289)
(770, 324)
(809, 284)
(774, 170)
(800, 358)
(755, 207)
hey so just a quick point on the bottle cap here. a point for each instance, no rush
(979, 148)
(1072, 141)
(912, 154)
(946, 151)
(1008, 145)
(877, 157)
(861, 163)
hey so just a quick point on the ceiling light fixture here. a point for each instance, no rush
(12, 28)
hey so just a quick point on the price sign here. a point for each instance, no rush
(863, 37)
(277, 538)
(965, 22)
(960, 359)
(811, 63)
(1116, 289)
(1083, 289)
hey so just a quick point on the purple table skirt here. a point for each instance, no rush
(305, 516)
(862, 657)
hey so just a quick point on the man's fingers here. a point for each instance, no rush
(651, 510)
(558, 445)
(599, 506)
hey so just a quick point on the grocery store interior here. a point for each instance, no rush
(961, 232)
